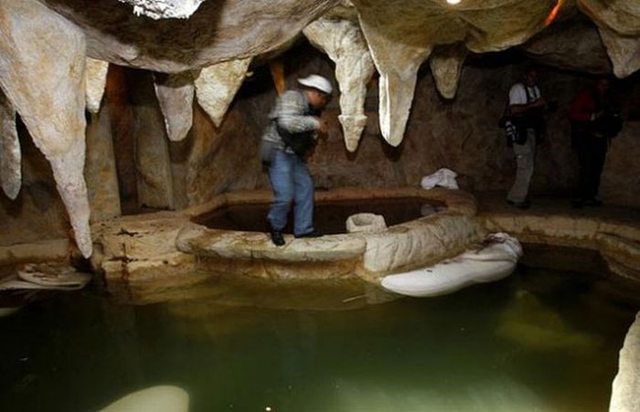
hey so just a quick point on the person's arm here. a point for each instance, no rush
(581, 108)
(291, 114)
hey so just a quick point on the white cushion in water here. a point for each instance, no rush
(154, 399)
(494, 261)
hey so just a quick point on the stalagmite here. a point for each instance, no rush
(344, 43)
(164, 9)
(10, 160)
(42, 58)
(96, 80)
(217, 85)
(175, 96)
(446, 66)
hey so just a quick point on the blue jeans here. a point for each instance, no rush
(291, 182)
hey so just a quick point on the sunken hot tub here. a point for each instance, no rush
(229, 234)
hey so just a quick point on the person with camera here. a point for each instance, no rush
(594, 122)
(289, 138)
(526, 114)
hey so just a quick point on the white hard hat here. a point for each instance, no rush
(317, 82)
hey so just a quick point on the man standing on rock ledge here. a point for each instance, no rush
(526, 107)
(595, 120)
(289, 138)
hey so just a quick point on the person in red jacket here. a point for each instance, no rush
(590, 114)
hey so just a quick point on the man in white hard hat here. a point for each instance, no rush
(290, 136)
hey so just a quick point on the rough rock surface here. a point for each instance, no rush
(219, 31)
(96, 80)
(165, 9)
(619, 24)
(44, 44)
(343, 42)
(42, 68)
(42, 60)
(446, 67)
(153, 160)
(573, 45)
(149, 251)
(401, 39)
(175, 96)
(626, 385)
(621, 16)
(624, 52)
(614, 233)
(216, 86)
(138, 254)
(37, 213)
(10, 160)
(100, 169)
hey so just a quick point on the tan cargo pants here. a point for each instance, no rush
(525, 157)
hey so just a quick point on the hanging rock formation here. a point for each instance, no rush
(573, 45)
(96, 80)
(342, 41)
(401, 38)
(446, 66)
(217, 85)
(42, 59)
(42, 64)
(619, 25)
(175, 97)
(623, 51)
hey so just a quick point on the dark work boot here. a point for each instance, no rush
(276, 237)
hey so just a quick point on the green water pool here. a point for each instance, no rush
(540, 340)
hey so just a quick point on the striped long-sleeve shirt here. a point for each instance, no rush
(292, 114)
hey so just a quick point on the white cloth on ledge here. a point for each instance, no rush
(443, 177)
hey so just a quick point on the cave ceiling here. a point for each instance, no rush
(54, 56)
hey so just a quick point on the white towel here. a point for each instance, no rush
(443, 177)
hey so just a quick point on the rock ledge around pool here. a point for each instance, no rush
(369, 254)
(147, 253)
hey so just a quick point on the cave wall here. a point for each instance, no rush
(460, 134)
(37, 213)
